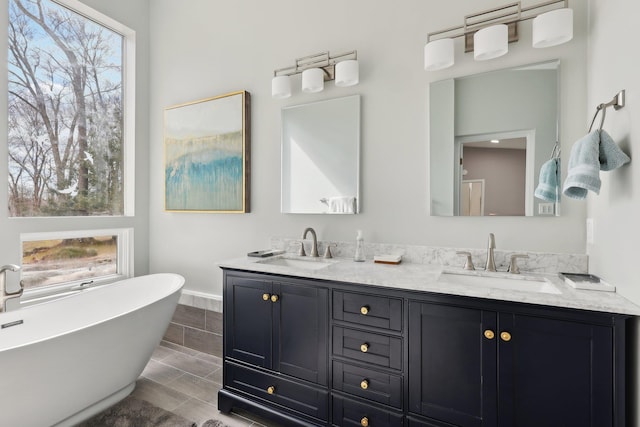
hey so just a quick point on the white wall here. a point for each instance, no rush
(135, 16)
(210, 48)
(613, 64)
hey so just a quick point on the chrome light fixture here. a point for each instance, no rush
(484, 32)
(315, 70)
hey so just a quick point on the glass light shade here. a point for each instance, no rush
(552, 28)
(281, 87)
(347, 73)
(491, 42)
(312, 80)
(438, 54)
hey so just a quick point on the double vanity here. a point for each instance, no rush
(328, 341)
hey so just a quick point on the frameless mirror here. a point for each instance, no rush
(321, 157)
(489, 135)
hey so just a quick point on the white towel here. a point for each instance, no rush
(342, 204)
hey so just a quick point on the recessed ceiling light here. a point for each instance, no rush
(495, 141)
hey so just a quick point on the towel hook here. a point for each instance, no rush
(617, 103)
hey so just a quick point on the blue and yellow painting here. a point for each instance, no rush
(204, 155)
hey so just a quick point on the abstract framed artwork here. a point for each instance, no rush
(207, 148)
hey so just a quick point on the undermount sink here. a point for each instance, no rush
(299, 263)
(522, 283)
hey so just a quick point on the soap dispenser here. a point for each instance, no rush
(359, 255)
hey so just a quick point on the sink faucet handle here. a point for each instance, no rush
(468, 265)
(513, 264)
(301, 252)
(327, 252)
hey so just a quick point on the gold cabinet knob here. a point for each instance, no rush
(505, 336)
(364, 347)
(489, 334)
(364, 384)
(271, 389)
(274, 298)
(364, 422)
(265, 297)
(364, 310)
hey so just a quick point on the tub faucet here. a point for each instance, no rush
(491, 264)
(314, 248)
(4, 295)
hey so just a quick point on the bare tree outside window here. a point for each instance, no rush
(65, 132)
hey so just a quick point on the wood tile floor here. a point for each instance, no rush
(186, 382)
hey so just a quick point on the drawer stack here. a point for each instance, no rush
(367, 360)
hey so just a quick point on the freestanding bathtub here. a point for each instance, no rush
(65, 360)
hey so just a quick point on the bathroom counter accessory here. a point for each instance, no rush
(265, 253)
(387, 259)
(586, 281)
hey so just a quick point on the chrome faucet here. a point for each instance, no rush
(4, 295)
(491, 264)
(314, 248)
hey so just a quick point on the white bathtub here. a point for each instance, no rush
(75, 356)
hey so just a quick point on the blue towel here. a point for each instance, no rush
(549, 183)
(592, 153)
(610, 155)
(584, 167)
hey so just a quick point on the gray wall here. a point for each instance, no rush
(133, 14)
(211, 48)
(615, 252)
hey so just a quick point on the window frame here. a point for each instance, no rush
(128, 104)
(124, 262)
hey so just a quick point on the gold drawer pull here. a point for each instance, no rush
(364, 347)
(364, 384)
(265, 297)
(489, 334)
(274, 298)
(271, 389)
(364, 310)
(505, 336)
(364, 422)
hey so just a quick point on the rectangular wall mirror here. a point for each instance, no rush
(321, 157)
(489, 135)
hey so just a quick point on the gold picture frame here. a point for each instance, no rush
(207, 155)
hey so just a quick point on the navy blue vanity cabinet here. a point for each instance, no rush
(304, 352)
(531, 367)
(276, 345)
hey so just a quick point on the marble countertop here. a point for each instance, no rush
(430, 278)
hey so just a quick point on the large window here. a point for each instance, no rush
(70, 113)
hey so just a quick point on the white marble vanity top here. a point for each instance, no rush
(430, 278)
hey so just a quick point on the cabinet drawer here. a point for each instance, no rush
(373, 385)
(381, 312)
(347, 412)
(290, 394)
(369, 347)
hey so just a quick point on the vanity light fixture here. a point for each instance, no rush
(484, 32)
(315, 70)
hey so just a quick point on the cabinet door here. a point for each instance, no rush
(247, 324)
(452, 365)
(554, 372)
(301, 324)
